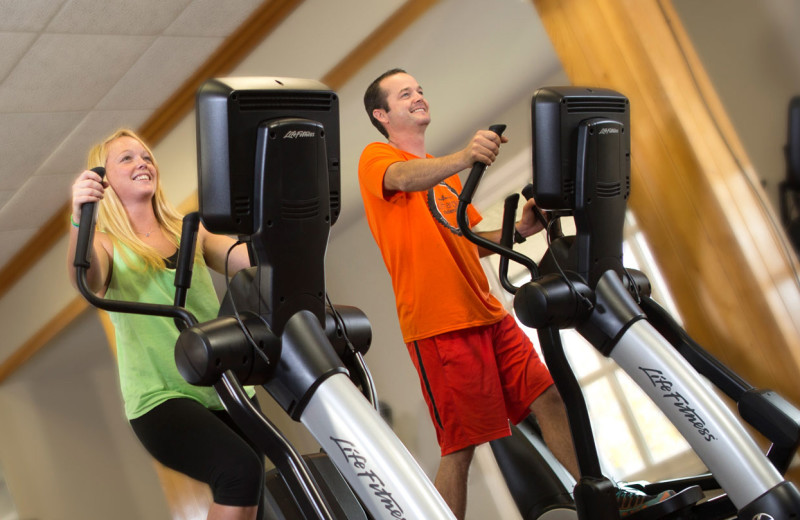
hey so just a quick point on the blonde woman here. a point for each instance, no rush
(132, 258)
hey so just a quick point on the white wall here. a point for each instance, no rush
(67, 450)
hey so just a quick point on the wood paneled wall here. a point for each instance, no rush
(719, 244)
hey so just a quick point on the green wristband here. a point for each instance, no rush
(73, 221)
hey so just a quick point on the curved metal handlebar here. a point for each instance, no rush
(465, 198)
(82, 263)
(477, 172)
(507, 239)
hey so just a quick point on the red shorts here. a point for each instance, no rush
(475, 380)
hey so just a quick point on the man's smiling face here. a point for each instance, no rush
(408, 108)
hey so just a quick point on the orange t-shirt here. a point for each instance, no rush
(438, 281)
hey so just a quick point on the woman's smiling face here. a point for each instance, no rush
(130, 169)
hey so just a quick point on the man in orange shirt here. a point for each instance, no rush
(477, 368)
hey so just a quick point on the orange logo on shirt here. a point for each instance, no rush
(443, 205)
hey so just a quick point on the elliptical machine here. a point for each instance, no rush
(268, 156)
(581, 157)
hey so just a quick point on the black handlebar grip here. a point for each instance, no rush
(86, 229)
(185, 263)
(498, 129)
(477, 172)
(509, 217)
(527, 191)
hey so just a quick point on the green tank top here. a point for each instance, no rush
(146, 344)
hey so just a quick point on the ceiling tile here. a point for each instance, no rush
(69, 158)
(64, 72)
(308, 45)
(145, 17)
(27, 15)
(26, 140)
(14, 45)
(212, 17)
(159, 72)
(35, 203)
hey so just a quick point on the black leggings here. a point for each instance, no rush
(207, 446)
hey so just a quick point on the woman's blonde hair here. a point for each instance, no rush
(112, 218)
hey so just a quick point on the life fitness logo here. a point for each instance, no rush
(763, 516)
(297, 134)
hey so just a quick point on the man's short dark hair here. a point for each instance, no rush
(375, 97)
